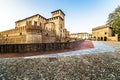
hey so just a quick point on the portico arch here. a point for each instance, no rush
(105, 38)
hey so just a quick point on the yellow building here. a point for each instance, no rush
(103, 33)
(37, 29)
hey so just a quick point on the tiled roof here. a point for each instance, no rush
(31, 17)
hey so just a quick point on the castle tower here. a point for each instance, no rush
(58, 12)
(58, 17)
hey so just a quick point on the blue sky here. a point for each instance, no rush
(81, 15)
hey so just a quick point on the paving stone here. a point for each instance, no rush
(99, 47)
(99, 65)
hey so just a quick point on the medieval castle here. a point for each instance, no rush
(37, 29)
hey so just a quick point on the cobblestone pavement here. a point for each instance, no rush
(103, 65)
(115, 45)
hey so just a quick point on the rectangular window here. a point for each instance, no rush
(35, 23)
(30, 22)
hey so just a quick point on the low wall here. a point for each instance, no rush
(113, 38)
(36, 47)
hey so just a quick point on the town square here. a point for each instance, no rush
(60, 40)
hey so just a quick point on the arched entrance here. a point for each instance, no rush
(101, 38)
(94, 38)
(105, 38)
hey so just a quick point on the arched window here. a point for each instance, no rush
(61, 26)
(20, 33)
(105, 33)
(105, 38)
(7, 35)
(40, 23)
(101, 38)
(30, 22)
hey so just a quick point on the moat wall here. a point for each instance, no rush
(36, 47)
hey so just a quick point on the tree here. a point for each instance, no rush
(114, 20)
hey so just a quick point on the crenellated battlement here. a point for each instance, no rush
(55, 18)
(14, 30)
(58, 12)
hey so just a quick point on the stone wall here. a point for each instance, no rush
(33, 37)
(48, 39)
(35, 47)
(113, 38)
(13, 36)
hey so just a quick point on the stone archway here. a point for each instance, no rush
(94, 38)
(98, 38)
(105, 38)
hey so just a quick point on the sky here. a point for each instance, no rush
(80, 15)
